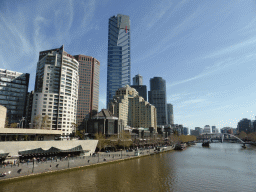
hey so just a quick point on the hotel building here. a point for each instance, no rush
(135, 112)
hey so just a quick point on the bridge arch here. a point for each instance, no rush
(232, 136)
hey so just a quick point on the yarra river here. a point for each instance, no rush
(221, 167)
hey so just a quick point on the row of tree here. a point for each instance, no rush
(250, 136)
(125, 141)
(39, 122)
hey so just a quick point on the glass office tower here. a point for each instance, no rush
(157, 97)
(13, 92)
(119, 64)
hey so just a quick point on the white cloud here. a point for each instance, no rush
(235, 47)
(220, 65)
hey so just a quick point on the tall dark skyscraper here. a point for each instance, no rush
(157, 97)
(137, 84)
(137, 80)
(119, 63)
(170, 113)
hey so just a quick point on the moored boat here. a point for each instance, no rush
(206, 144)
(179, 147)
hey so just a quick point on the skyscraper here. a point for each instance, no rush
(29, 105)
(13, 92)
(88, 92)
(157, 97)
(245, 125)
(170, 113)
(207, 129)
(137, 84)
(119, 64)
(137, 80)
(56, 91)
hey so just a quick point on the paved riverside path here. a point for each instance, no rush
(65, 163)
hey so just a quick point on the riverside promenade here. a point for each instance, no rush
(23, 170)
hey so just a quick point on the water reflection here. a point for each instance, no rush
(218, 168)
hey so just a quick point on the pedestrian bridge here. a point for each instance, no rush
(221, 137)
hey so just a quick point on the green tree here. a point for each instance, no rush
(187, 138)
(45, 124)
(6, 122)
(126, 140)
(79, 134)
(175, 139)
(113, 141)
(14, 125)
(37, 122)
(102, 142)
(242, 135)
(252, 136)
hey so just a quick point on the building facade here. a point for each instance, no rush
(88, 92)
(170, 114)
(199, 129)
(207, 129)
(135, 112)
(214, 129)
(13, 92)
(140, 88)
(185, 131)
(119, 64)
(105, 123)
(157, 97)
(137, 80)
(194, 132)
(245, 125)
(56, 91)
(3, 111)
(29, 105)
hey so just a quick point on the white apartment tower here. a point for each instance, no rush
(56, 91)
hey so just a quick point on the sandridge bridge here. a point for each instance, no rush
(221, 137)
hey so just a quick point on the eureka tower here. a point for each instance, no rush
(119, 63)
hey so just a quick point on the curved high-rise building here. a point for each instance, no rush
(157, 97)
(119, 64)
(56, 91)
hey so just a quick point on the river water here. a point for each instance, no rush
(221, 167)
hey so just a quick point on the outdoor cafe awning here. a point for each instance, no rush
(51, 150)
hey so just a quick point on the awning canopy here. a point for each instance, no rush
(51, 150)
(3, 155)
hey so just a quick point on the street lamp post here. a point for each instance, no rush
(121, 153)
(33, 165)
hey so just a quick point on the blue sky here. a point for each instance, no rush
(205, 50)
